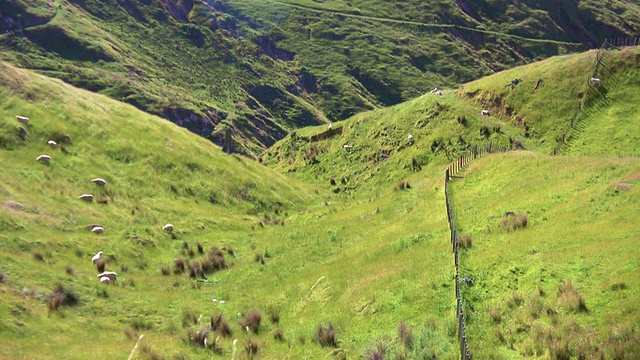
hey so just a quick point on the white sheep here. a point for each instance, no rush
(485, 112)
(45, 159)
(86, 197)
(105, 280)
(347, 147)
(168, 228)
(595, 81)
(23, 119)
(97, 230)
(96, 257)
(109, 274)
(439, 93)
(435, 90)
(99, 181)
(410, 137)
(330, 126)
(52, 143)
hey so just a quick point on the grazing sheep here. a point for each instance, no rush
(86, 197)
(485, 112)
(23, 119)
(330, 126)
(347, 147)
(105, 280)
(45, 159)
(97, 230)
(439, 93)
(595, 81)
(435, 90)
(52, 143)
(168, 228)
(96, 257)
(99, 181)
(109, 274)
(410, 137)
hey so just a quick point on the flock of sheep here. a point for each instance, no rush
(105, 277)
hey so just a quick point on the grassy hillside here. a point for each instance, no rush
(566, 283)
(443, 126)
(265, 68)
(364, 266)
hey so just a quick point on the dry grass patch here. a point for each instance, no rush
(570, 299)
(465, 241)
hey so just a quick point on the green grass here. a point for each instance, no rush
(581, 228)
(254, 66)
(362, 265)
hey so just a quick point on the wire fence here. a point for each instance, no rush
(594, 82)
(452, 172)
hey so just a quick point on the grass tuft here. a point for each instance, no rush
(465, 241)
(251, 321)
(570, 299)
(274, 315)
(37, 255)
(62, 296)
(251, 347)
(325, 335)
(278, 334)
(405, 334)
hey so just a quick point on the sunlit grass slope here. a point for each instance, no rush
(612, 125)
(381, 152)
(364, 266)
(567, 283)
(544, 113)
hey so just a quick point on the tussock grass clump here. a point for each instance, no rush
(37, 255)
(278, 334)
(220, 325)
(570, 299)
(62, 296)
(274, 315)
(511, 221)
(465, 241)
(179, 266)
(214, 261)
(402, 185)
(559, 350)
(251, 347)
(130, 334)
(251, 321)
(325, 335)
(515, 300)
(69, 270)
(200, 248)
(405, 334)
(496, 314)
(199, 337)
(165, 271)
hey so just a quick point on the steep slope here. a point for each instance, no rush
(544, 112)
(298, 254)
(443, 126)
(264, 68)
